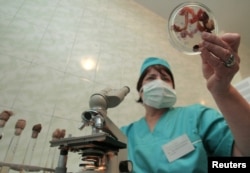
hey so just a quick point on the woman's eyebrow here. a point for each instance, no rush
(151, 75)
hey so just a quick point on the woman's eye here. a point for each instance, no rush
(150, 78)
(165, 78)
(168, 80)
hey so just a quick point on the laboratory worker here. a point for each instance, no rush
(176, 139)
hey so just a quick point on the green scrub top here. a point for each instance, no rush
(206, 129)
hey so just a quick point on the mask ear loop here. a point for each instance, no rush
(140, 94)
(141, 90)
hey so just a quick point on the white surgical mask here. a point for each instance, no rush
(158, 94)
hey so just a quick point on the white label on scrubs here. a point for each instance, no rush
(178, 148)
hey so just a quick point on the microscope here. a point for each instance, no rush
(105, 149)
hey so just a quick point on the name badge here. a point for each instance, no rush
(177, 148)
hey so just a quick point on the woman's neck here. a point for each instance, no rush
(153, 115)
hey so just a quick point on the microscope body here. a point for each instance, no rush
(105, 149)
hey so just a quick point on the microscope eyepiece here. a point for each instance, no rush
(86, 116)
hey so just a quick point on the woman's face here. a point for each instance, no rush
(154, 74)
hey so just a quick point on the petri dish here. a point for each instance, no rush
(186, 23)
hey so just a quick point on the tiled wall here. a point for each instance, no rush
(44, 46)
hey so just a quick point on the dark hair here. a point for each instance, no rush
(158, 68)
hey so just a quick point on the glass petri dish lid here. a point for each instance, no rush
(186, 23)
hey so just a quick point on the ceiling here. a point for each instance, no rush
(231, 16)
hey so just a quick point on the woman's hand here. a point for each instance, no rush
(215, 53)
